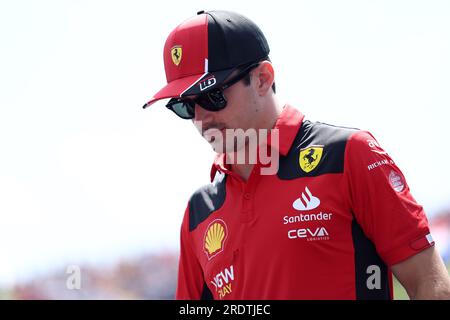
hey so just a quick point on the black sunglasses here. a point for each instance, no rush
(213, 100)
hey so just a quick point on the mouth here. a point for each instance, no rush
(211, 130)
(212, 134)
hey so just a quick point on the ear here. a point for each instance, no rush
(264, 77)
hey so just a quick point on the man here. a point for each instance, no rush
(335, 217)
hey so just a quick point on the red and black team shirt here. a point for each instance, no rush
(328, 225)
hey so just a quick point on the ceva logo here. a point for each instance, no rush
(319, 233)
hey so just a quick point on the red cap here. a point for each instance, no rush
(204, 50)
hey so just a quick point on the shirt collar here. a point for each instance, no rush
(288, 124)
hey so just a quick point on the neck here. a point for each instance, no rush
(268, 115)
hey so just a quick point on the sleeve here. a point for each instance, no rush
(381, 201)
(191, 284)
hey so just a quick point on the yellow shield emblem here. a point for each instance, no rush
(310, 157)
(176, 53)
(215, 237)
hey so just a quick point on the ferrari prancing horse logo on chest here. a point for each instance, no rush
(176, 53)
(310, 157)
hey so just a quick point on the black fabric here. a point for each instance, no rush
(233, 40)
(220, 77)
(366, 256)
(206, 293)
(332, 138)
(206, 200)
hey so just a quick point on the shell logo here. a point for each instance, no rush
(215, 237)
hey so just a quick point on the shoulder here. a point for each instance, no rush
(318, 148)
(206, 200)
(323, 133)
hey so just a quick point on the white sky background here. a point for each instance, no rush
(86, 175)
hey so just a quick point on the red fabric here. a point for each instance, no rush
(391, 219)
(268, 254)
(190, 271)
(192, 38)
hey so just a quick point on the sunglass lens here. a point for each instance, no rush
(182, 108)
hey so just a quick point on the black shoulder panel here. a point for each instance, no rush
(206, 200)
(330, 139)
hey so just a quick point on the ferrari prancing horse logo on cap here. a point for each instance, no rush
(176, 53)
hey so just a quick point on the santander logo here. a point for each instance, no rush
(306, 201)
